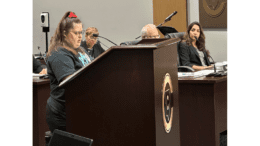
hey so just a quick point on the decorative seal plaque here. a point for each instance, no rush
(167, 103)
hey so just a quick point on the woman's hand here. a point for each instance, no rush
(44, 71)
(211, 66)
(201, 67)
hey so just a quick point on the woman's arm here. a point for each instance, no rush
(195, 67)
(62, 66)
(184, 55)
(44, 71)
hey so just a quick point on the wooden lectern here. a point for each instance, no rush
(127, 96)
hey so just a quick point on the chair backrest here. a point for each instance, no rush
(129, 43)
(175, 35)
(178, 59)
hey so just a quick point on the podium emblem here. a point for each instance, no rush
(167, 103)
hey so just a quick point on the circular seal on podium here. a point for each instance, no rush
(167, 103)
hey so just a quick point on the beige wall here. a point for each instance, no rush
(118, 20)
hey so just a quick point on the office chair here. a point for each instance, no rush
(179, 35)
(174, 35)
(48, 136)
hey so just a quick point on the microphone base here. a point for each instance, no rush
(217, 74)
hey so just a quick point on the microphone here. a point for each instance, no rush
(42, 57)
(96, 35)
(211, 74)
(214, 64)
(166, 20)
(170, 17)
(215, 74)
(196, 38)
(40, 52)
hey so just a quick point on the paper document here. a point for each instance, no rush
(195, 74)
(185, 74)
(219, 67)
(204, 72)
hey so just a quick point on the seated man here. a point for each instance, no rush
(149, 31)
(91, 45)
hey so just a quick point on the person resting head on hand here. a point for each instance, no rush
(192, 51)
(37, 67)
(91, 44)
(90, 39)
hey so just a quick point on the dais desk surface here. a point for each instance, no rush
(181, 80)
(202, 79)
(37, 81)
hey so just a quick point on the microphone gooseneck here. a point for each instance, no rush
(42, 56)
(40, 52)
(208, 55)
(196, 38)
(96, 35)
(102, 44)
(170, 17)
(214, 64)
(166, 20)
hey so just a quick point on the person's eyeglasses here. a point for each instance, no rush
(78, 32)
(152, 37)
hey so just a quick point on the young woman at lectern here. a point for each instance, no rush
(65, 56)
(192, 50)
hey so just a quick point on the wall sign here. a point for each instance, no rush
(213, 13)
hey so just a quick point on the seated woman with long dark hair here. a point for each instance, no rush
(65, 56)
(192, 51)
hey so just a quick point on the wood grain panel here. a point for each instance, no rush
(41, 92)
(203, 110)
(117, 100)
(163, 8)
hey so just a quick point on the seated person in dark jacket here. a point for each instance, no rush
(37, 67)
(192, 52)
(91, 45)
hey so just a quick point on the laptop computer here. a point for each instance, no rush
(62, 138)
